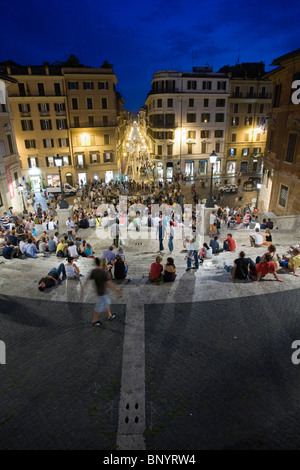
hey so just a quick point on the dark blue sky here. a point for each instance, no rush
(141, 37)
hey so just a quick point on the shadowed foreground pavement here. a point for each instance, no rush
(219, 374)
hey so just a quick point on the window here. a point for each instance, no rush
(32, 162)
(206, 85)
(248, 121)
(232, 151)
(170, 85)
(50, 161)
(170, 120)
(74, 103)
(191, 117)
(60, 108)
(191, 134)
(205, 103)
(249, 108)
(170, 150)
(271, 139)
(72, 85)
(290, 151)
(245, 151)
(3, 108)
(105, 120)
(191, 102)
(2, 149)
(104, 103)
(235, 120)
(10, 144)
(44, 109)
(66, 160)
(246, 137)
(88, 85)
(76, 121)
(257, 122)
(108, 157)
(219, 133)
(41, 89)
(204, 134)
(22, 89)
(277, 94)
(94, 157)
(261, 108)
(169, 135)
(251, 91)
(106, 139)
(203, 167)
(63, 142)
(236, 108)
(57, 89)
(30, 144)
(27, 125)
(80, 159)
(203, 147)
(91, 120)
(205, 117)
(48, 143)
(159, 135)
(189, 149)
(219, 117)
(256, 150)
(258, 137)
(233, 137)
(220, 103)
(46, 124)
(218, 147)
(192, 85)
(170, 103)
(24, 109)
(159, 103)
(89, 103)
(61, 124)
(283, 195)
(102, 85)
(221, 85)
(159, 150)
(237, 91)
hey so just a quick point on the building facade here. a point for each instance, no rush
(249, 105)
(280, 192)
(70, 110)
(186, 121)
(11, 183)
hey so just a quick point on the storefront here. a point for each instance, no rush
(202, 167)
(231, 168)
(244, 167)
(109, 175)
(160, 170)
(35, 179)
(217, 167)
(53, 180)
(189, 168)
(69, 179)
(82, 178)
(169, 170)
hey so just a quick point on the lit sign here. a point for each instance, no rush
(296, 94)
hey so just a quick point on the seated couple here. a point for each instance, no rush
(245, 268)
(159, 273)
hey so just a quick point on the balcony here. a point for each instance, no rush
(266, 96)
(81, 167)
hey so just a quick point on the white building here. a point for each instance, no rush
(187, 121)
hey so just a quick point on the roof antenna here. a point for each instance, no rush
(238, 59)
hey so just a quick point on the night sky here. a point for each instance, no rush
(141, 37)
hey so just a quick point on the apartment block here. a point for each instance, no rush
(186, 121)
(11, 183)
(249, 105)
(70, 110)
(280, 192)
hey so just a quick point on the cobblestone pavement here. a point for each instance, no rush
(217, 359)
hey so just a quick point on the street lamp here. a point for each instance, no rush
(58, 162)
(21, 188)
(212, 159)
(258, 186)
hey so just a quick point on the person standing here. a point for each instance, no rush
(102, 281)
(71, 229)
(171, 237)
(115, 232)
(212, 223)
(161, 235)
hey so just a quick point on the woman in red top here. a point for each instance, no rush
(156, 270)
(265, 267)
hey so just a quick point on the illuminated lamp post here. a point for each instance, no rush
(258, 186)
(58, 162)
(212, 159)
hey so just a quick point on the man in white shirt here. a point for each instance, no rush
(70, 229)
(256, 239)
